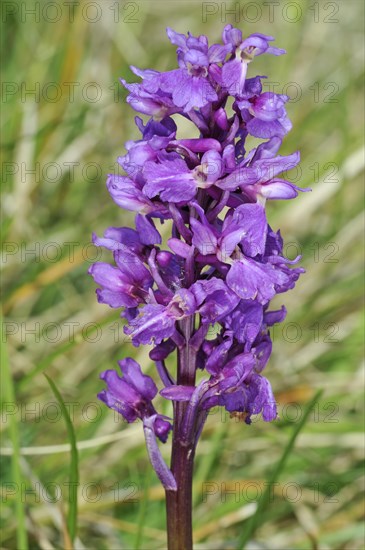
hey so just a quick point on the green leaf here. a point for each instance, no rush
(74, 470)
(253, 520)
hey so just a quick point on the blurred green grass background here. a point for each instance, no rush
(64, 117)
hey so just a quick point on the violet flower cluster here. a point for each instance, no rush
(224, 263)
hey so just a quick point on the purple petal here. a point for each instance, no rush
(219, 355)
(217, 53)
(279, 189)
(120, 396)
(176, 38)
(229, 158)
(132, 268)
(257, 44)
(109, 277)
(200, 145)
(146, 74)
(233, 76)
(236, 371)
(216, 298)
(172, 180)
(120, 235)
(187, 91)
(246, 321)
(272, 317)
(126, 195)
(152, 325)
(232, 36)
(133, 375)
(247, 226)
(212, 164)
(147, 231)
(268, 129)
(253, 87)
(179, 247)
(264, 399)
(269, 106)
(201, 93)
(267, 149)
(267, 169)
(178, 393)
(196, 57)
(116, 299)
(252, 281)
(242, 176)
(204, 238)
(162, 428)
(162, 351)
(220, 117)
(262, 352)
(121, 407)
(182, 304)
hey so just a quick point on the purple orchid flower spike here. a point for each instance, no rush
(224, 263)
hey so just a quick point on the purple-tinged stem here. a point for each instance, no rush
(179, 503)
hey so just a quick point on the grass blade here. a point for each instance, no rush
(9, 396)
(74, 470)
(143, 510)
(253, 520)
(206, 464)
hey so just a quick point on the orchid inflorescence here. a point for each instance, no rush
(224, 264)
